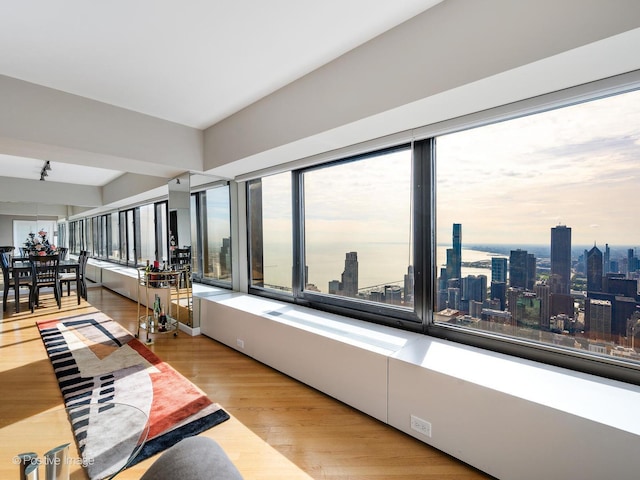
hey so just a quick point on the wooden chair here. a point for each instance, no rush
(44, 274)
(82, 260)
(62, 252)
(70, 277)
(6, 279)
(20, 278)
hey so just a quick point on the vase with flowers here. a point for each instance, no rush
(39, 244)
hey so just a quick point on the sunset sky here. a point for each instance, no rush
(579, 166)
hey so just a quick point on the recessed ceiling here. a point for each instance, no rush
(190, 62)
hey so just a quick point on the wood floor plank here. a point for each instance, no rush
(279, 428)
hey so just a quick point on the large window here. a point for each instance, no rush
(24, 229)
(214, 237)
(358, 229)
(519, 236)
(147, 225)
(271, 241)
(113, 249)
(537, 228)
(339, 235)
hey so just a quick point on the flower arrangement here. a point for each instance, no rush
(39, 245)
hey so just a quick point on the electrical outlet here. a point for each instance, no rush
(240, 343)
(420, 425)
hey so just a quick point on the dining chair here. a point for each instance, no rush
(75, 276)
(82, 268)
(62, 252)
(6, 279)
(20, 278)
(44, 274)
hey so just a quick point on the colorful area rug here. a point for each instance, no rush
(96, 361)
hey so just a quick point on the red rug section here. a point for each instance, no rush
(168, 385)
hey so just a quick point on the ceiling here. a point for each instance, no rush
(194, 62)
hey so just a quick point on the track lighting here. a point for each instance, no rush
(43, 172)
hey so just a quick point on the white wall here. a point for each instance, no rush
(457, 58)
(79, 130)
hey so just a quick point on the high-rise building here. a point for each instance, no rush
(633, 264)
(518, 271)
(454, 293)
(594, 270)
(531, 271)
(457, 249)
(560, 280)
(499, 269)
(349, 284)
(598, 319)
(499, 293)
(607, 259)
(474, 288)
(543, 293)
(454, 254)
(409, 286)
(525, 308)
(617, 284)
(393, 294)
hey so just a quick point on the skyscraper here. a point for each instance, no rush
(597, 317)
(349, 283)
(560, 281)
(454, 254)
(518, 271)
(499, 269)
(594, 270)
(499, 293)
(474, 288)
(409, 284)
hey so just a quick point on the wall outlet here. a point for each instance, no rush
(240, 343)
(420, 425)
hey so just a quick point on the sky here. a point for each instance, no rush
(579, 166)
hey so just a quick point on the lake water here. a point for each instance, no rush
(378, 264)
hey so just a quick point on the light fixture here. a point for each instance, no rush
(43, 172)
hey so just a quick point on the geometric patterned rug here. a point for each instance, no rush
(97, 361)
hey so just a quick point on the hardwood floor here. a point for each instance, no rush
(279, 428)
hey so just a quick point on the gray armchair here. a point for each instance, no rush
(194, 458)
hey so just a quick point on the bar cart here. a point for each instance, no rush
(161, 310)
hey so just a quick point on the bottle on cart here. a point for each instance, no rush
(162, 321)
(154, 280)
(156, 311)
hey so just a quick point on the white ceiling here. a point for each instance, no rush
(193, 62)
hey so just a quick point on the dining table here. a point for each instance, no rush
(21, 272)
